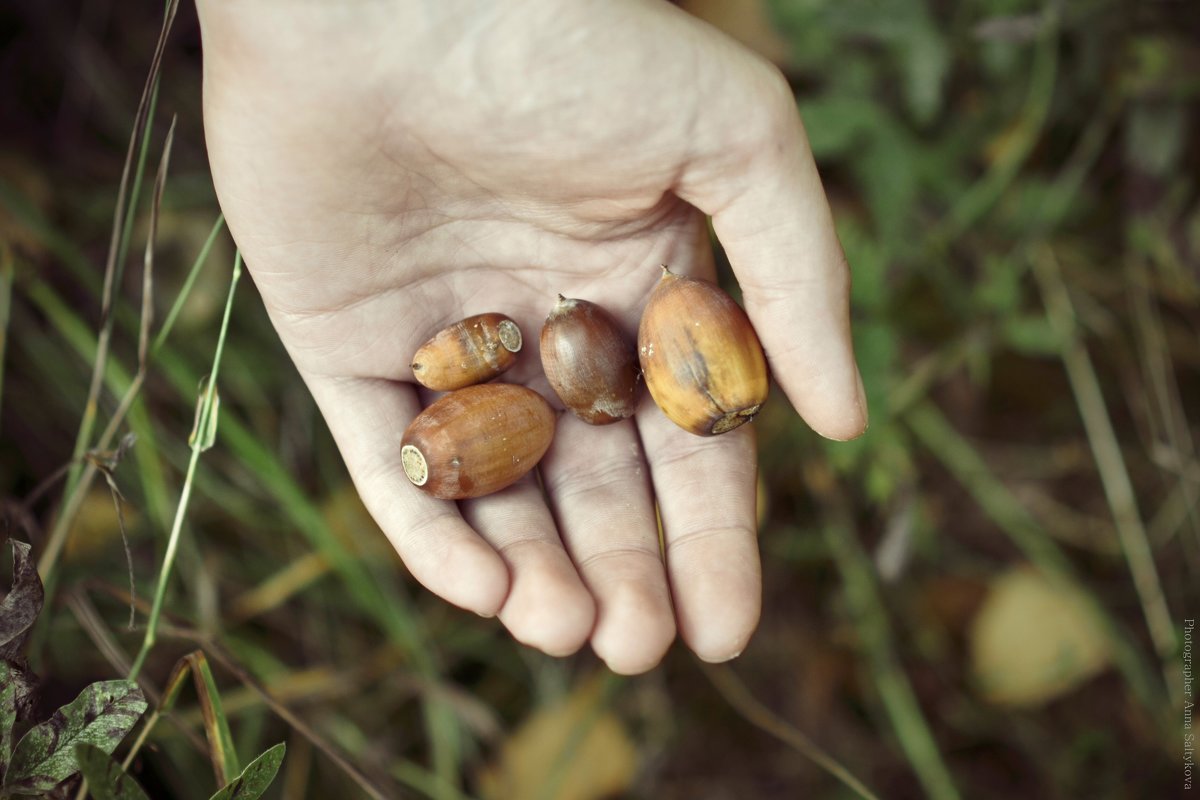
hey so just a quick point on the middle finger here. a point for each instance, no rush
(599, 487)
(547, 606)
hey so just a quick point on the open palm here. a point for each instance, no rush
(389, 167)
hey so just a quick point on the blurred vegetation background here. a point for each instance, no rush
(983, 597)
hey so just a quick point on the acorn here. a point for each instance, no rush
(703, 363)
(477, 440)
(590, 365)
(470, 351)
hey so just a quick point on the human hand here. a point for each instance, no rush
(389, 167)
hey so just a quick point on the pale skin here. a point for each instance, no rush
(390, 166)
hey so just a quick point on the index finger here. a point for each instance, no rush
(367, 418)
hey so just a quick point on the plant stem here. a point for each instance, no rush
(753, 711)
(205, 422)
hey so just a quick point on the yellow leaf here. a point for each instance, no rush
(1034, 639)
(96, 524)
(575, 749)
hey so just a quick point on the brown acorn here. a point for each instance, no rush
(589, 363)
(470, 351)
(702, 360)
(477, 440)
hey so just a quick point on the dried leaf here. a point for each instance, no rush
(110, 459)
(1034, 639)
(256, 778)
(574, 750)
(106, 780)
(21, 607)
(101, 715)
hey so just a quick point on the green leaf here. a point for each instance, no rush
(869, 290)
(8, 714)
(886, 171)
(1031, 335)
(801, 23)
(999, 288)
(837, 123)
(16, 696)
(21, 607)
(101, 715)
(106, 780)
(925, 60)
(251, 784)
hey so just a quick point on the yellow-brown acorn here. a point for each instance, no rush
(477, 440)
(590, 365)
(470, 351)
(703, 363)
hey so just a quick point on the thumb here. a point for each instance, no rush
(760, 185)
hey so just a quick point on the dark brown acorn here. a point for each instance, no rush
(589, 363)
(702, 360)
(470, 351)
(477, 440)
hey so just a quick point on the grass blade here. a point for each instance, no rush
(224, 756)
(113, 266)
(1114, 476)
(227, 662)
(185, 494)
(174, 685)
(372, 591)
(186, 290)
(874, 635)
